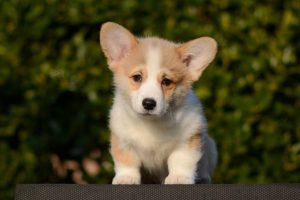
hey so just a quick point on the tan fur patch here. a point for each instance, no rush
(121, 155)
(194, 141)
(136, 70)
(132, 63)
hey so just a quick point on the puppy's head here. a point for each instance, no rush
(154, 75)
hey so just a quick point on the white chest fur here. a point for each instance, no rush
(154, 139)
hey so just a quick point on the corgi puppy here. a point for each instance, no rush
(158, 129)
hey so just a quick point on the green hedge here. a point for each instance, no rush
(55, 87)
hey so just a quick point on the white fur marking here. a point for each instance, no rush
(151, 88)
(153, 61)
(127, 175)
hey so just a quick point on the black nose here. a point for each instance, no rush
(149, 104)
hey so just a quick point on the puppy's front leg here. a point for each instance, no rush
(127, 164)
(182, 163)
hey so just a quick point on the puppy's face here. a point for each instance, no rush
(153, 75)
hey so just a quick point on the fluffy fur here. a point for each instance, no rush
(168, 141)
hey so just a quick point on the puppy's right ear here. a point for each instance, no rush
(116, 42)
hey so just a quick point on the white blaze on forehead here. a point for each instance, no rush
(153, 61)
(151, 88)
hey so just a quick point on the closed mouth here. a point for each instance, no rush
(148, 113)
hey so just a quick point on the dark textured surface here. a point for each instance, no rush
(188, 192)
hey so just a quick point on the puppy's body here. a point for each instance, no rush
(153, 140)
(159, 132)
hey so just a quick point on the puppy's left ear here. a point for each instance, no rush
(197, 55)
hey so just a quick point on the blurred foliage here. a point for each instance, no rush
(56, 91)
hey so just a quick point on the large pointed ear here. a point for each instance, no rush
(197, 54)
(116, 42)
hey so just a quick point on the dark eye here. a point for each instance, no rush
(137, 78)
(166, 82)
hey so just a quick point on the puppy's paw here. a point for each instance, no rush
(179, 179)
(126, 180)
